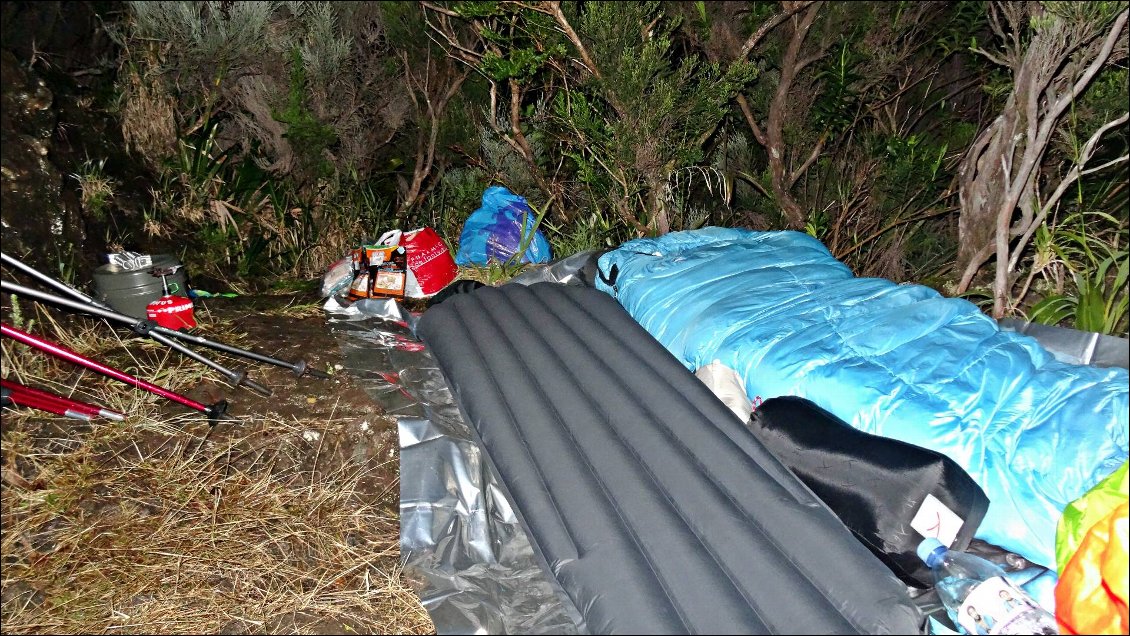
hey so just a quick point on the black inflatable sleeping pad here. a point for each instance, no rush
(654, 509)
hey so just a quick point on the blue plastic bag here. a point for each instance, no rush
(494, 231)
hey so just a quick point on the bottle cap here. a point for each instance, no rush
(930, 550)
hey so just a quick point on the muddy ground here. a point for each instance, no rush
(301, 335)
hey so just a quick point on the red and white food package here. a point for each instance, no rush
(430, 265)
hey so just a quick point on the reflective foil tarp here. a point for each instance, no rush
(462, 547)
(654, 508)
(1073, 346)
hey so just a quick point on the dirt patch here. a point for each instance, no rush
(282, 519)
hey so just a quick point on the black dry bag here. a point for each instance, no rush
(887, 492)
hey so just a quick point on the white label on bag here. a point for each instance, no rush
(935, 519)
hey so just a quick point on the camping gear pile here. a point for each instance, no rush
(146, 327)
(898, 361)
(562, 469)
(414, 264)
(552, 418)
(418, 264)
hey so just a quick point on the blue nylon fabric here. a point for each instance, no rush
(493, 232)
(900, 361)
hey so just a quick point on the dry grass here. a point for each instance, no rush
(157, 525)
(148, 112)
(493, 274)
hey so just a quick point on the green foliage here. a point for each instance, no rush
(459, 193)
(913, 166)
(649, 116)
(309, 136)
(1095, 305)
(529, 231)
(591, 232)
(1103, 101)
(478, 9)
(958, 33)
(238, 223)
(518, 64)
(1092, 247)
(838, 105)
(96, 188)
(278, 108)
(519, 41)
(218, 34)
(316, 67)
(17, 315)
(300, 125)
(1098, 13)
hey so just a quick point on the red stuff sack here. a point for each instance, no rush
(430, 266)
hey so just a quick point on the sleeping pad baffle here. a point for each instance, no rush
(650, 504)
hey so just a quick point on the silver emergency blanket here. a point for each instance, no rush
(578, 270)
(461, 545)
(1073, 346)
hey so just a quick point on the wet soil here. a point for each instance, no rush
(305, 338)
(343, 422)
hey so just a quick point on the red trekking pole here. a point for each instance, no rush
(8, 397)
(214, 412)
(74, 405)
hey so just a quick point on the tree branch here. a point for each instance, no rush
(757, 132)
(586, 58)
(812, 157)
(1104, 53)
(1106, 165)
(1073, 174)
(774, 129)
(563, 22)
(454, 48)
(439, 9)
(768, 26)
(1093, 68)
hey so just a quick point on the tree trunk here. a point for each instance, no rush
(1000, 175)
(781, 180)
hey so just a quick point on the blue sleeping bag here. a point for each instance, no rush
(900, 361)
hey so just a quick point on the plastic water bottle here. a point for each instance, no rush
(978, 597)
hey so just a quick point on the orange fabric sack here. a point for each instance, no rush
(1091, 596)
